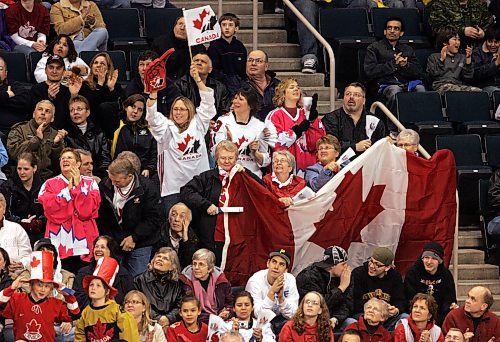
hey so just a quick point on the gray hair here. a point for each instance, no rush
(384, 307)
(409, 135)
(228, 146)
(81, 151)
(180, 204)
(174, 259)
(47, 102)
(3, 201)
(289, 157)
(206, 255)
(232, 336)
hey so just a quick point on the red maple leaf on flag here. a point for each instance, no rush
(241, 141)
(34, 262)
(183, 146)
(198, 23)
(349, 214)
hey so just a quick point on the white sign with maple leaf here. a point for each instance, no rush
(202, 26)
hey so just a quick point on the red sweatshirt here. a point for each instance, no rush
(178, 332)
(288, 334)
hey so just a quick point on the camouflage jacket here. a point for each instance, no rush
(451, 13)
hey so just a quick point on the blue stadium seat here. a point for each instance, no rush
(159, 21)
(17, 66)
(470, 111)
(492, 147)
(346, 29)
(124, 29)
(470, 167)
(424, 113)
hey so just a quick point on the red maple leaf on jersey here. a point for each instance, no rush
(241, 141)
(198, 23)
(183, 145)
(349, 214)
(33, 327)
(34, 262)
(100, 331)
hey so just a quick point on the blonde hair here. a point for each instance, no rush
(146, 315)
(280, 91)
(191, 111)
(228, 146)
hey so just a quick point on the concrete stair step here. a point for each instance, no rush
(323, 92)
(285, 64)
(470, 256)
(323, 107)
(304, 80)
(277, 50)
(470, 239)
(464, 286)
(236, 7)
(264, 36)
(495, 307)
(473, 272)
(265, 21)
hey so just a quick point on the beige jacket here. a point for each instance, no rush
(67, 19)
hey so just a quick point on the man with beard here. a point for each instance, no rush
(393, 65)
(352, 124)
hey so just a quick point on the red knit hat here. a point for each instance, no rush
(106, 269)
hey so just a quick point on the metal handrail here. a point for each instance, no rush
(426, 154)
(326, 45)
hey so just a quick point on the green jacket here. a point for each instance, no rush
(22, 138)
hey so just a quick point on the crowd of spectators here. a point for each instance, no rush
(139, 237)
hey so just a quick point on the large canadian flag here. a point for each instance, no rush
(385, 197)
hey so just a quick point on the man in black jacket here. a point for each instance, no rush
(377, 278)
(130, 213)
(393, 65)
(83, 134)
(352, 124)
(332, 278)
(188, 88)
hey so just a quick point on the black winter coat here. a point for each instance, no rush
(40, 92)
(164, 293)
(14, 109)
(266, 103)
(494, 192)
(315, 278)
(165, 96)
(123, 283)
(93, 141)
(388, 288)
(22, 204)
(140, 215)
(439, 285)
(199, 194)
(138, 139)
(380, 64)
(188, 88)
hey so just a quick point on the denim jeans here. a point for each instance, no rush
(24, 49)
(97, 40)
(113, 3)
(137, 260)
(307, 41)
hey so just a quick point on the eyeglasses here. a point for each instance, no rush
(394, 28)
(133, 302)
(177, 109)
(356, 95)
(77, 109)
(280, 161)
(376, 263)
(311, 302)
(405, 145)
(255, 60)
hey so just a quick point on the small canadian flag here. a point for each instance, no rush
(202, 25)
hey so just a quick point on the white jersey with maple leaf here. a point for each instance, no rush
(181, 155)
(243, 135)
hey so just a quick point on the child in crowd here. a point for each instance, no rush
(188, 329)
(35, 313)
(228, 54)
(134, 135)
(103, 319)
